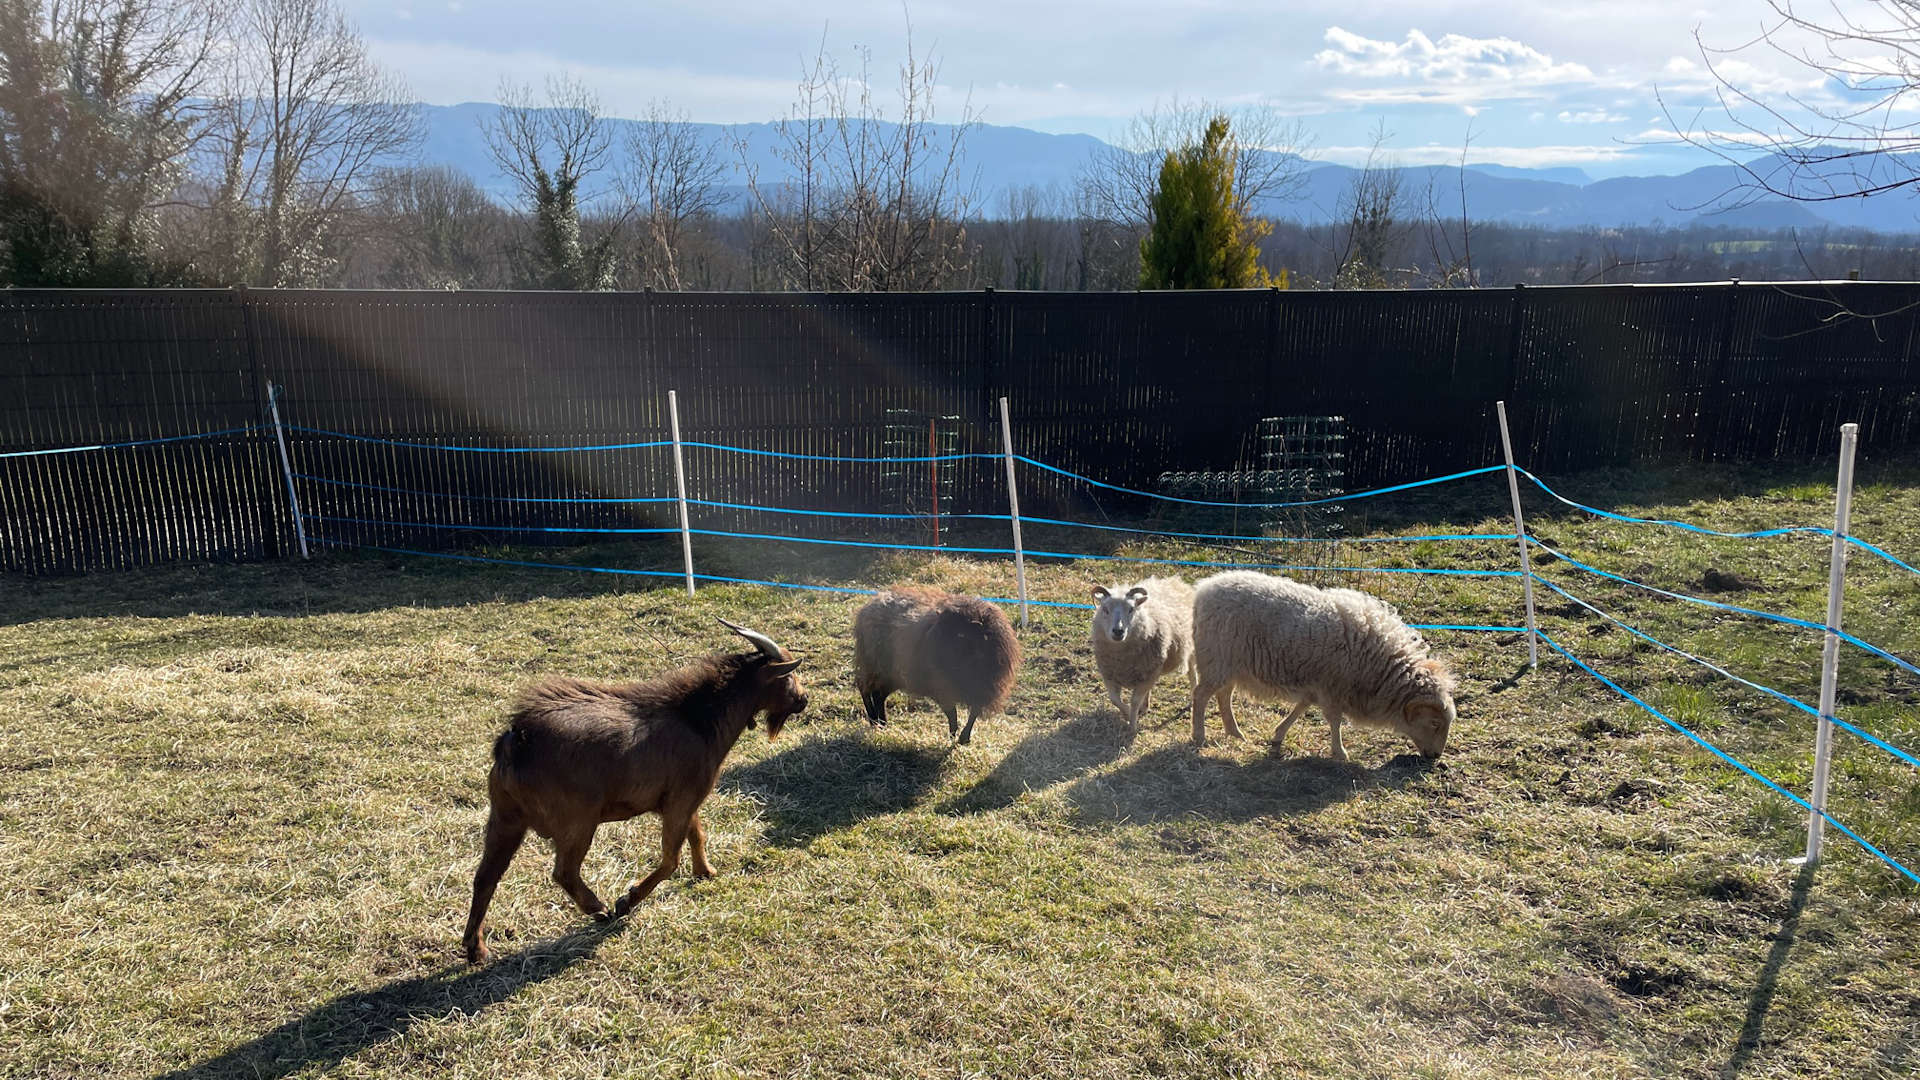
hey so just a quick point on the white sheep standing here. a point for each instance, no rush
(1140, 633)
(1340, 649)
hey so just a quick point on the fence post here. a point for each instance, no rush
(286, 469)
(1718, 405)
(1516, 320)
(1520, 532)
(1013, 507)
(256, 381)
(680, 486)
(1830, 656)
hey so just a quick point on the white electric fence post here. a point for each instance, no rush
(680, 486)
(1013, 507)
(1520, 533)
(286, 469)
(1830, 657)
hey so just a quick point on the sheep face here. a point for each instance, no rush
(1114, 617)
(1429, 715)
(782, 695)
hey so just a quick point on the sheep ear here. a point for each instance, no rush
(1137, 595)
(1442, 673)
(1100, 593)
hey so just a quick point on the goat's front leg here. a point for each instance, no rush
(569, 851)
(697, 847)
(674, 825)
(966, 733)
(953, 720)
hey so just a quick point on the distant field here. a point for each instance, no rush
(240, 809)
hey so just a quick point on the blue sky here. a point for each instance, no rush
(1571, 83)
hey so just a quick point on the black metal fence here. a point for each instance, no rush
(1117, 386)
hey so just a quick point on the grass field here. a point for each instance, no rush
(240, 808)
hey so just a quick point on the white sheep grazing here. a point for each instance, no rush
(1140, 633)
(1340, 649)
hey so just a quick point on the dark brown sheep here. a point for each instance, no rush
(576, 754)
(955, 650)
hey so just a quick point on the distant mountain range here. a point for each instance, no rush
(1000, 159)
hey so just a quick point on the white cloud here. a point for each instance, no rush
(1715, 136)
(1523, 156)
(1590, 116)
(1680, 65)
(1455, 70)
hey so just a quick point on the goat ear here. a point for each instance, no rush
(1100, 593)
(781, 668)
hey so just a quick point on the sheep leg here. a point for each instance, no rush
(697, 847)
(1225, 697)
(1141, 696)
(953, 720)
(1113, 695)
(1201, 694)
(1333, 725)
(502, 841)
(674, 826)
(966, 733)
(1280, 733)
(569, 851)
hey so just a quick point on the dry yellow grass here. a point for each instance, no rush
(240, 808)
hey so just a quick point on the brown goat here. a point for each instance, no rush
(577, 754)
(955, 650)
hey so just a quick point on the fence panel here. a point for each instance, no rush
(1119, 386)
(122, 367)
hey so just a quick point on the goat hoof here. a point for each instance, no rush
(477, 954)
(601, 916)
(621, 907)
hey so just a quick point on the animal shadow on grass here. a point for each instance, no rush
(1044, 759)
(827, 784)
(1174, 782)
(350, 1023)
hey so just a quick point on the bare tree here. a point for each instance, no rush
(872, 201)
(305, 127)
(436, 230)
(1371, 211)
(550, 152)
(1117, 183)
(98, 109)
(1845, 138)
(672, 181)
(1452, 263)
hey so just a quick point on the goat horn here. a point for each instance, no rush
(760, 641)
